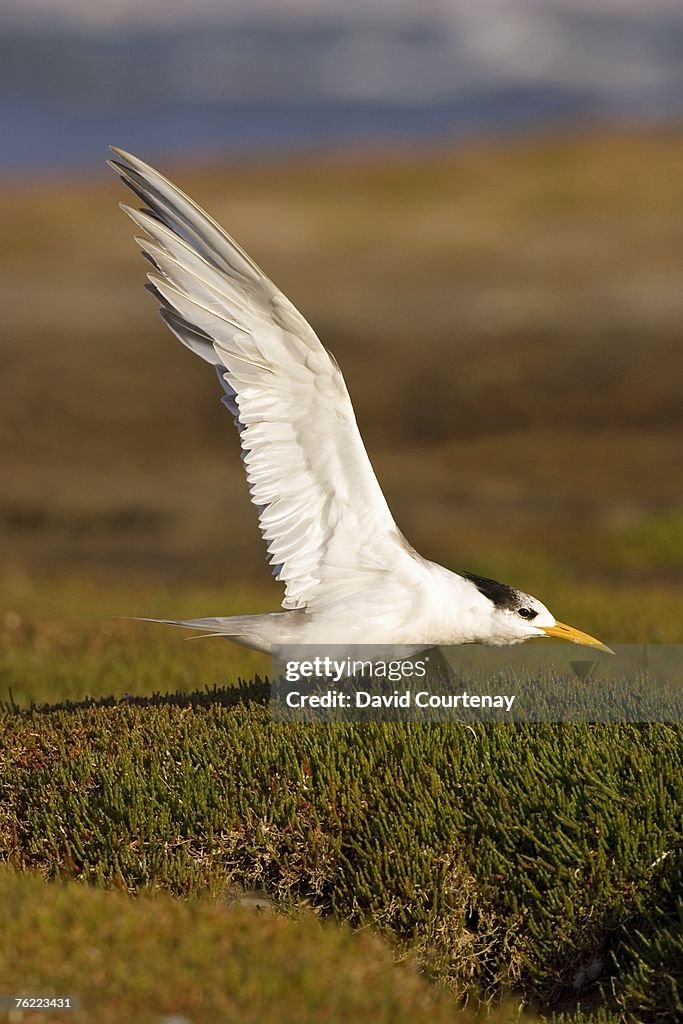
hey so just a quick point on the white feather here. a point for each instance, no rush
(322, 511)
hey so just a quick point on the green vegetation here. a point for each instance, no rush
(503, 859)
(150, 960)
(62, 641)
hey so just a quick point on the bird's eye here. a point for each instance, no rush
(527, 613)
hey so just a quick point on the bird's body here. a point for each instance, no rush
(351, 578)
(417, 605)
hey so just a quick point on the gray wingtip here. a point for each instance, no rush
(123, 156)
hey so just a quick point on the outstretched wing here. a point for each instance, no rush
(321, 510)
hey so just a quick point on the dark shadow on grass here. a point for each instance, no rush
(256, 691)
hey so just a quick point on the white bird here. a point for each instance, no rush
(351, 578)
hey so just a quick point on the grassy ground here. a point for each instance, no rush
(160, 959)
(543, 859)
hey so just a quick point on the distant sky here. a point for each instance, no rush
(118, 12)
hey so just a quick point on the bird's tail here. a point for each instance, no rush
(257, 631)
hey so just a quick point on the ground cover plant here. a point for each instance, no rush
(541, 860)
(151, 960)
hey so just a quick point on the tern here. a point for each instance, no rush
(351, 578)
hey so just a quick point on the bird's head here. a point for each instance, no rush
(514, 617)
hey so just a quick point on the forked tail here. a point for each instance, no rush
(259, 632)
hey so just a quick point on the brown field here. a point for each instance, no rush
(509, 320)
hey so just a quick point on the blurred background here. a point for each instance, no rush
(477, 206)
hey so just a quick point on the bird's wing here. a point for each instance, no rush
(322, 513)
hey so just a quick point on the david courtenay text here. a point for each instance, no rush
(406, 699)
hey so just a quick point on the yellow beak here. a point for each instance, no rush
(563, 632)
